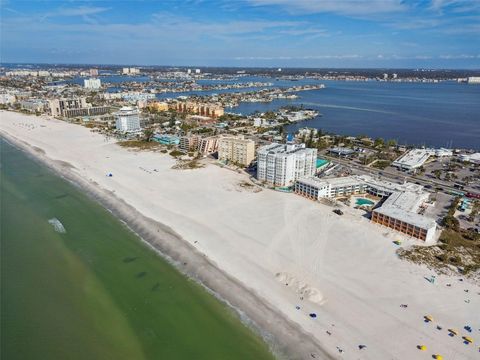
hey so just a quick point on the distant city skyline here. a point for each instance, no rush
(263, 33)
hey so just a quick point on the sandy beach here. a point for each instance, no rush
(275, 257)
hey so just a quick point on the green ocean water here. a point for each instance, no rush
(95, 291)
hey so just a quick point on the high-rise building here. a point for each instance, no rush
(236, 149)
(281, 165)
(207, 145)
(197, 71)
(58, 107)
(473, 80)
(127, 119)
(93, 72)
(92, 83)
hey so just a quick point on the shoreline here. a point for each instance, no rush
(272, 257)
(284, 338)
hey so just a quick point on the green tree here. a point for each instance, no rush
(451, 222)
(391, 143)
(148, 134)
(379, 142)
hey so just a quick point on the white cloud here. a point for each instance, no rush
(343, 7)
(79, 11)
(305, 57)
(459, 56)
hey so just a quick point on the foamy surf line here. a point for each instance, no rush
(57, 225)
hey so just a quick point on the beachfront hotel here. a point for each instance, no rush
(58, 107)
(398, 211)
(75, 107)
(127, 119)
(236, 149)
(281, 164)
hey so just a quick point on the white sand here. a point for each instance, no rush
(344, 267)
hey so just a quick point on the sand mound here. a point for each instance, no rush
(301, 288)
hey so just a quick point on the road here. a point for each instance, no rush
(396, 175)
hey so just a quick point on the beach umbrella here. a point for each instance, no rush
(428, 318)
(453, 331)
(422, 347)
(467, 339)
(438, 356)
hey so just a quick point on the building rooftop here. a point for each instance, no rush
(404, 215)
(341, 151)
(413, 158)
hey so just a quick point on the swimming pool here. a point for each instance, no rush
(321, 162)
(362, 201)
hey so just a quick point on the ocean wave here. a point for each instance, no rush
(57, 225)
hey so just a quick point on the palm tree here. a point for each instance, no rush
(148, 134)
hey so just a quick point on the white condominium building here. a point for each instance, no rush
(127, 119)
(236, 149)
(281, 165)
(92, 83)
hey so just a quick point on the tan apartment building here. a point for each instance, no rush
(157, 106)
(189, 142)
(236, 149)
(195, 108)
(207, 145)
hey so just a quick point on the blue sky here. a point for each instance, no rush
(284, 33)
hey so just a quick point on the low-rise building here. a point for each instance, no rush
(236, 149)
(165, 139)
(86, 111)
(281, 164)
(398, 211)
(341, 151)
(472, 158)
(127, 119)
(33, 105)
(412, 159)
